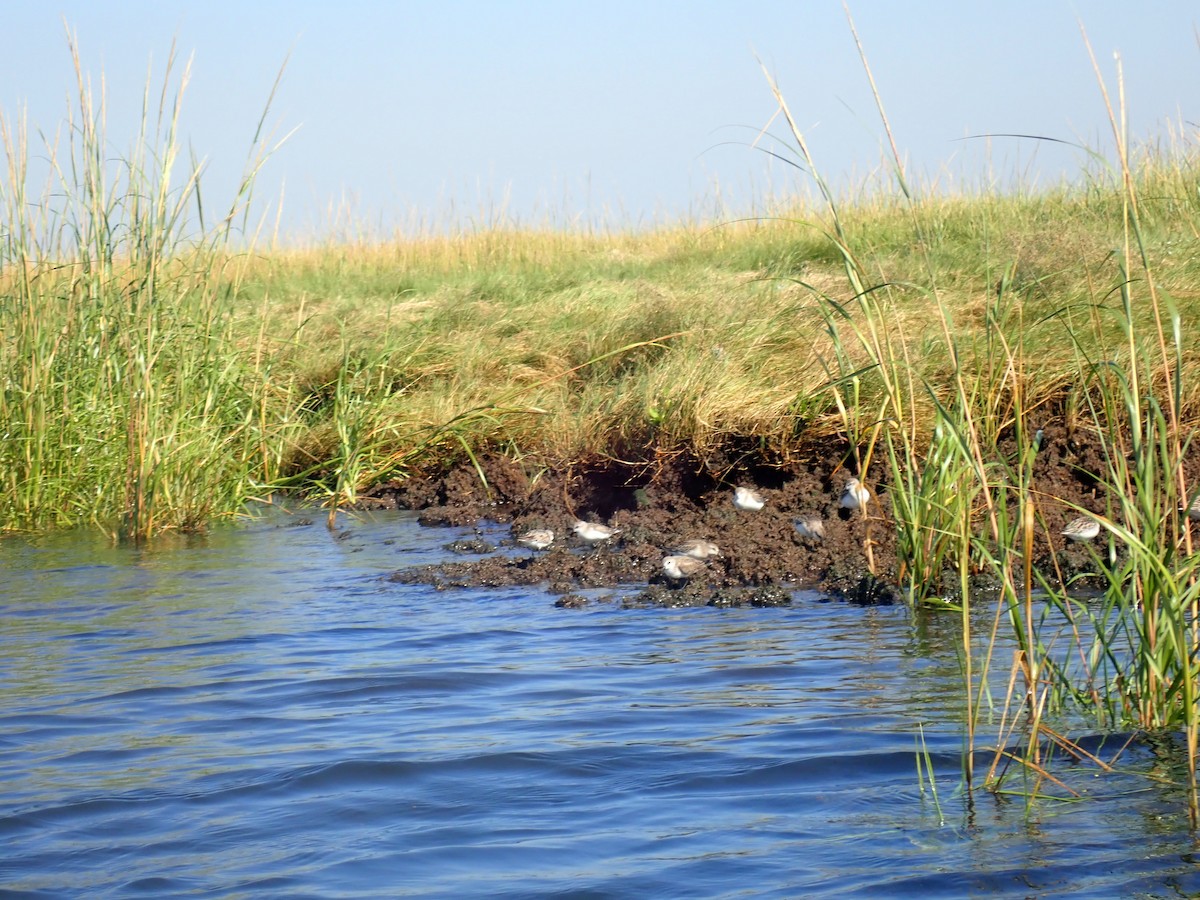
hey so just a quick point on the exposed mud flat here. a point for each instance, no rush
(763, 557)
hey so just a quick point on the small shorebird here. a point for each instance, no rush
(855, 495)
(810, 527)
(537, 538)
(697, 549)
(748, 498)
(1081, 530)
(594, 532)
(1193, 511)
(681, 568)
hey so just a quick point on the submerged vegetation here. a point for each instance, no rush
(158, 373)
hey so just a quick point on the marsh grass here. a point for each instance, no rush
(1139, 663)
(123, 403)
(961, 442)
(909, 326)
(745, 329)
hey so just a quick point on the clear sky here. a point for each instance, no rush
(629, 111)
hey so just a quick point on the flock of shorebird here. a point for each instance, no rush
(687, 558)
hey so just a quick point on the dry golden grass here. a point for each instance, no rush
(595, 344)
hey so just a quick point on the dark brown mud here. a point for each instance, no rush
(763, 558)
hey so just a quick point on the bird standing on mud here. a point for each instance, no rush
(748, 499)
(697, 549)
(855, 495)
(681, 568)
(810, 527)
(594, 532)
(536, 538)
(1082, 530)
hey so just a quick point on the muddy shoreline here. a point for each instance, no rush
(763, 557)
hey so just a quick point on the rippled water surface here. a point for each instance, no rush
(260, 713)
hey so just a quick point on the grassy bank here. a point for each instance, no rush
(333, 367)
(155, 377)
(555, 347)
(614, 345)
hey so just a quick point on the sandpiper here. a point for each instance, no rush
(1193, 511)
(537, 538)
(594, 532)
(681, 568)
(1081, 530)
(855, 495)
(748, 498)
(697, 549)
(810, 527)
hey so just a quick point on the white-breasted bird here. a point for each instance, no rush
(748, 499)
(810, 527)
(1081, 530)
(536, 538)
(680, 568)
(697, 549)
(594, 532)
(855, 495)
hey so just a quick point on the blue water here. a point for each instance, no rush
(260, 713)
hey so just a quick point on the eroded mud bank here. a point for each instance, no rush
(763, 557)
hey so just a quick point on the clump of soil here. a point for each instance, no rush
(681, 501)
(763, 558)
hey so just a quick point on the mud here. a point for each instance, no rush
(763, 558)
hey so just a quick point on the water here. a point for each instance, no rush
(259, 713)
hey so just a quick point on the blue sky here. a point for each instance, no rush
(631, 112)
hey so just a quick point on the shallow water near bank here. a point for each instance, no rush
(260, 712)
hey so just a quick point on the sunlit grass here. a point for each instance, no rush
(332, 366)
(1107, 333)
(744, 341)
(124, 402)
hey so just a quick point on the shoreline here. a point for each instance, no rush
(762, 556)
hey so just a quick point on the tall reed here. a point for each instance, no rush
(125, 400)
(961, 455)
